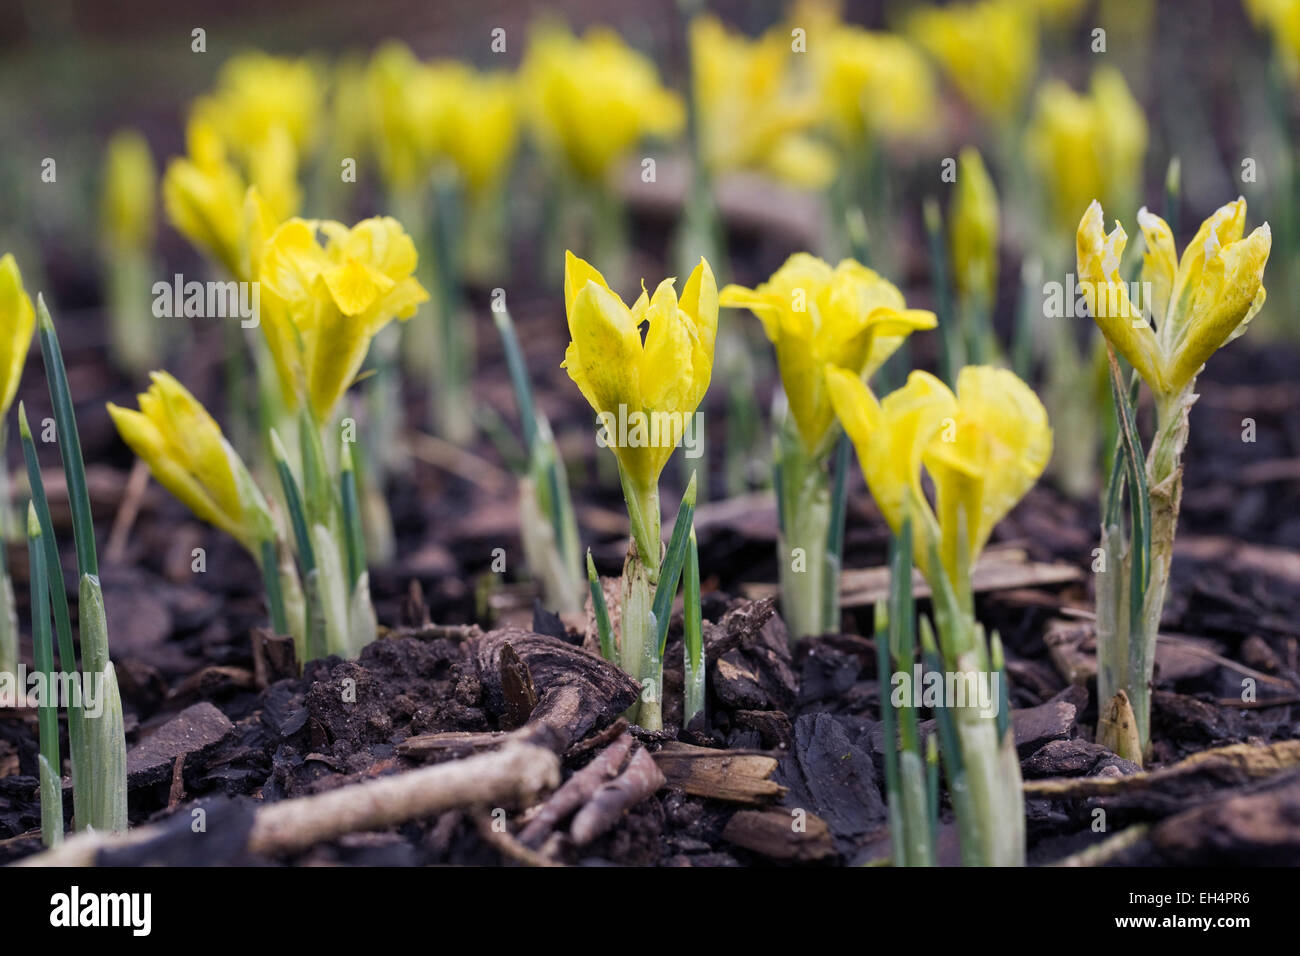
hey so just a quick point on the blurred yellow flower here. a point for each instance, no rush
(406, 100)
(849, 317)
(753, 113)
(480, 127)
(1087, 147)
(988, 48)
(644, 392)
(203, 195)
(1281, 18)
(18, 320)
(321, 305)
(184, 448)
(1198, 303)
(983, 448)
(130, 179)
(590, 100)
(875, 85)
(973, 229)
(257, 95)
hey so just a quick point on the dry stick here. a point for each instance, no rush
(576, 791)
(127, 511)
(514, 774)
(640, 780)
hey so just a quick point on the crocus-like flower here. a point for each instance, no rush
(1087, 147)
(848, 316)
(983, 447)
(591, 100)
(406, 99)
(130, 181)
(989, 49)
(18, 321)
(1281, 18)
(185, 450)
(203, 195)
(974, 231)
(322, 304)
(875, 85)
(644, 392)
(480, 127)
(752, 113)
(1199, 302)
(257, 94)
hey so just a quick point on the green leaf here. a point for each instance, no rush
(604, 629)
(674, 558)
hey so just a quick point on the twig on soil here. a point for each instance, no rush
(639, 781)
(577, 790)
(456, 460)
(514, 774)
(507, 845)
(1101, 853)
(136, 485)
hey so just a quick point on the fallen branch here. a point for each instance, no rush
(577, 790)
(515, 774)
(639, 781)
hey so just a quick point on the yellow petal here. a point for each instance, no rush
(335, 351)
(604, 356)
(17, 322)
(1159, 267)
(997, 447)
(1229, 294)
(577, 273)
(890, 439)
(1108, 300)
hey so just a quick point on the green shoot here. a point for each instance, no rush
(603, 627)
(47, 711)
(693, 635)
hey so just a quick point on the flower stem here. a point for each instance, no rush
(803, 484)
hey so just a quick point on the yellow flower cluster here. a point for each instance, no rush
(591, 99)
(875, 85)
(989, 50)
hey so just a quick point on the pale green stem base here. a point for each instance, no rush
(802, 558)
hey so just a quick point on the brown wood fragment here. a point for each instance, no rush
(456, 743)
(996, 570)
(517, 688)
(597, 740)
(781, 835)
(733, 776)
(576, 791)
(638, 781)
(177, 792)
(576, 691)
(274, 657)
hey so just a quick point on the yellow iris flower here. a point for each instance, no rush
(1198, 303)
(983, 447)
(322, 304)
(627, 380)
(1087, 146)
(186, 452)
(128, 198)
(753, 113)
(18, 319)
(974, 228)
(257, 95)
(875, 85)
(590, 100)
(203, 195)
(1281, 18)
(480, 127)
(989, 49)
(848, 316)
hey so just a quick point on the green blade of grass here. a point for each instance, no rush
(47, 712)
(835, 536)
(74, 468)
(518, 370)
(693, 634)
(674, 558)
(603, 627)
(354, 541)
